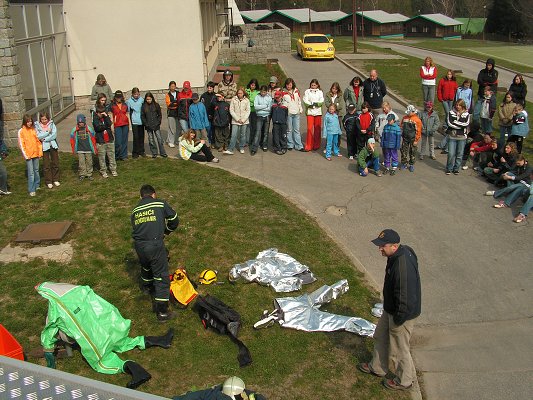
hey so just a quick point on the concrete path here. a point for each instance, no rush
(469, 67)
(473, 339)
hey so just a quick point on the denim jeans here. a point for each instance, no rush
(505, 132)
(294, 140)
(121, 142)
(512, 193)
(528, 205)
(332, 141)
(3, 177)
(428, 93)
(34, 180)
(237, 132)
(184, 124)
(261, 129)
(486, 125)
(447, 105)
(456, 148)
(155, 141)
(373, 164)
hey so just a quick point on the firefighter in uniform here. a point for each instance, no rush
(151, 220)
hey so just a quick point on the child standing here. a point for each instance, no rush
(252, 90)
(313, 100)
(208, 100)
(391, 140)
(349, 127)
(171, 100)
(446, 93)
(151, 118)
(364, 127)
(520, 127)
(293, 101)
(505, 114)
(135, 103)
(104, 141)
(240, 112)
(32, 149)
(488, 108)
(262, 105)
(331, 131)
(464, 92)
(279, 115)
(198, 120)
(83, 142)
(428, 73)
(47, 134)
(411, 133)
(221, 122)
(122, 126)
(184, 102)
(430, 125)
(369, 157)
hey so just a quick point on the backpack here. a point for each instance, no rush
(221, 115)
(408, 130)
(215, 314)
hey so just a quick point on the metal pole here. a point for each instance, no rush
(362, 20)
(309, 8)
(485, 22)
(354, 26)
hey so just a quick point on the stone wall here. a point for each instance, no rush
(10, 82)
(277, 39)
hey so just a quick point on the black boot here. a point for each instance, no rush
(162, 312)
(138, 374)
(161, 341)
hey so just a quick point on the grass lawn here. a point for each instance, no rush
(516, 57)
(224, 220)
(402, 76)
(261, 72)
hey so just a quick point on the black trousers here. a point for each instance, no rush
(138, 140)
(153, 257)
(350, 142)
(206, 156)
(279, 137)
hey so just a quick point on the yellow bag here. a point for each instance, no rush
(181, 287)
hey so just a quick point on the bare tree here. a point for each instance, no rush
(447, 7)
(474, 8)
(375, 4)
(523, 7)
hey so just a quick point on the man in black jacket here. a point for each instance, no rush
(401, 305)
(151, 220)
(374, 90)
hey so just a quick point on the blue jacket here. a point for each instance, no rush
(48, 138)
(466, 95)
(520, 125)
(391, 137)
(135, 110)
(331, 125)
(198, 116)
(262, 105)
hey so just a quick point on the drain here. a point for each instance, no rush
(336, 210)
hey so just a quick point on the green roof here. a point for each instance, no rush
(475, 25)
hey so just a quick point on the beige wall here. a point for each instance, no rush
(134, 43)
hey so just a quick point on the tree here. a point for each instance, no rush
(505, 20)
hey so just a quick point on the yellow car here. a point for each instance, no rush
(315, 45)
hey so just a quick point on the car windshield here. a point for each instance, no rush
(316, 39)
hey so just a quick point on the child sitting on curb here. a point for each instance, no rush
(369, 156)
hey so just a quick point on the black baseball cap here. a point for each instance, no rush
(387, 236)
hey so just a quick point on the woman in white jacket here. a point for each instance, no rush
(428, 73)
(240, 112)
(293, 101)
(313, 100)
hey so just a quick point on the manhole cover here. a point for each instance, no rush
(336, 210)
(44, 231)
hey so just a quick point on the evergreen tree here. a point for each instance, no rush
(506, 20)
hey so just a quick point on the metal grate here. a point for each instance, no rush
(25, 381)
(44, 231)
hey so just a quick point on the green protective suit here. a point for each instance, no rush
(92, 322)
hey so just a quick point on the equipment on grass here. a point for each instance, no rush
(233, 386)
(181, 287)
(207, 277)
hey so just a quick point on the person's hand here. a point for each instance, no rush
(363, 130)
(496, 170)
(415, 143)
(502, 159)
(490, 165)
(366, 171)
(202, 141)
(506, 177)
(472, 153)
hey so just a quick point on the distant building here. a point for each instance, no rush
(297, 20)
(472, 26)
(376, 23)
(254, 16)
(434, 26)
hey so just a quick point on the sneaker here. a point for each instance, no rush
(464, 167)
(448, 173)
(444, 152)
(411, 168)
(33, 194)
(114, 173)
(433, 157)
(104, 175)
(5, 192)
(265, 148)
(403, 166)
(379, 174)
(421, 157)
(324, 151)
(477, 169)
(279, 153)
(387, 171)
(56, 183)
(350, 158)
(171, 145)
(456, 172)
(49, 185)
(215, 160)
(501, 204)
(392, 384)
(339, 155)
(392, 172)
(520, 218)
(90, 178)
(328, 158)
(154, 155)
(489, 193)
(164, 155)
(81, 177)
(230, 153)
(253, 152)
(365, 367)
(241, 151)
(303, 150)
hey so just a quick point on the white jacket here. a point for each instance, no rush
(313, 100)
(428, 71)
(239, 110)
(292, 101)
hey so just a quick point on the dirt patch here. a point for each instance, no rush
(61, 253)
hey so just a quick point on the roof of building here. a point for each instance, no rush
(472, 25)
(382, 17)
(439, 19)
(302, 15)
(236, 14)
(255, 15)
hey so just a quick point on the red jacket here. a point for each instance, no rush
(446, 90)
(120, 114)
(480, 147)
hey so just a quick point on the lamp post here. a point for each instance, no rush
(362, 20)
(354, 26)
(485, 20)
(309, 8)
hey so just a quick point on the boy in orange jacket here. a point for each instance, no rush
(411, 126)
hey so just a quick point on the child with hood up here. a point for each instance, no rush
(198, 119)
(411, 133)
(391, 140)
(83, 142)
